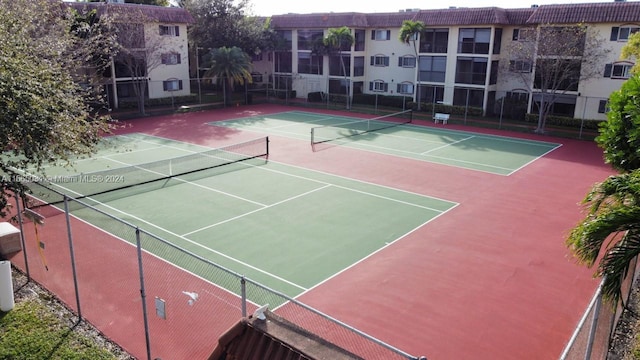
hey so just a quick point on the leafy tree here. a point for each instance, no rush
(632, 50)
(339, 39)
(230, 66)
(620, 134)
(225, 23)
(44, 115)
(611, 229)
(409, 33)
(560, 57)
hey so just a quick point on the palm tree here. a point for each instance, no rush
(611, 227)
(337, 40)
(409, 33)
(232, 65)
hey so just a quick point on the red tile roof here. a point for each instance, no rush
(612, 12)
(274, 339)
(161, 14)
(616, 12)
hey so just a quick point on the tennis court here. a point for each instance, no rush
(393, 135)
(284, 226)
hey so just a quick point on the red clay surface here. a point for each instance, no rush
(491, 279)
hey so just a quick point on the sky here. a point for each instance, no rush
(279, 7)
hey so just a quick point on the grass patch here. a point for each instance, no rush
(33, 331)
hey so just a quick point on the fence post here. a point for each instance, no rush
(594, 326)
(73, 258)
(24, 247)
(243, 297)
(143, 295)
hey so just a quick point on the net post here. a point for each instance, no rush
(267, 140)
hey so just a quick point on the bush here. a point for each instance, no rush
(565, 121)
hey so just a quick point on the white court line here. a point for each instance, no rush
(446, 145)
(255, 211)
(195, 243)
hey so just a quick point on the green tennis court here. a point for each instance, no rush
(489, 153)
(286, 227)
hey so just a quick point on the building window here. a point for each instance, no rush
(309, 64)
(603, 107)
(358, 66)
(432, 68)
(622, 33)
(523, 34)
(379, 60)
(380, 35)
(431, 93)
(434, 41)
(518, 96)
(335, 67)
(358, 39)
(307, 38)
(497, 41)
(286, 36)
(283, 63)
(620, 70)
(405, 88)
(471, 70)
(471, 97)
(474, 41)
(378, 86)
(522, 66)
(166, 30)
(172, 85)
(170, 59)
(407, 61)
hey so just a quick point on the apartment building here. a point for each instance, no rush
(157, 51)
(459, 55)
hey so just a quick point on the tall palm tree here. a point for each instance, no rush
(409, 33)
(611, 230)
(231, 65)
(339, 39)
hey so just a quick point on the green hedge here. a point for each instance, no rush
(133, 103)
(565, 121)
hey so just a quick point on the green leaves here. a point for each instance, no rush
(44, 114)
(610, 230)
(620, 134)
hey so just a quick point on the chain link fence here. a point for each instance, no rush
(163, 300)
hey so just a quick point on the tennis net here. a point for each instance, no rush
(90, 185)
(325, 133)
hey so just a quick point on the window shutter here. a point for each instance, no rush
(164, 85)
(607, 70)
(177, 30)
(398, 88)
(388, 35)
(386, 61)
(614, 33)
(373, 34)
(179, 84)
(370, 85)
(400, 61)
(385, 87)
(516, 34)
(179, 62)
(373, 60)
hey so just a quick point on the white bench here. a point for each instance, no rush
(444, 118)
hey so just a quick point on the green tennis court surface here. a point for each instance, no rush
(286, 227)
(488, 153)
